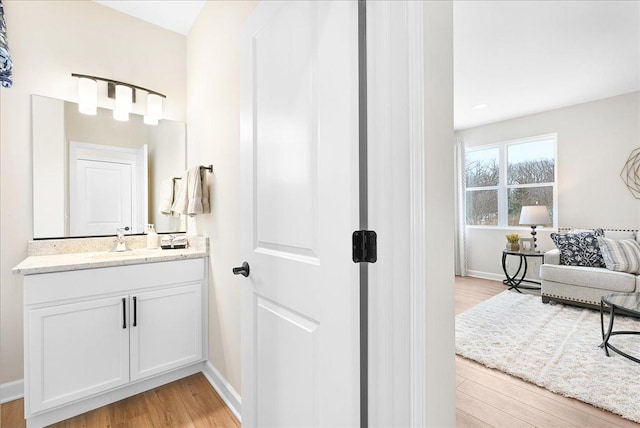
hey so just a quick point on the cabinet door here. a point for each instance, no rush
(76, 350)
(166, 330)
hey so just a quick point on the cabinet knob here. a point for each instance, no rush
(242, 270)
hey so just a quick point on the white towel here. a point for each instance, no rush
(166, 196)
(192, 196)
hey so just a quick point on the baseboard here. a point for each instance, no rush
(485, 275)
(223, 388)
(11, 391)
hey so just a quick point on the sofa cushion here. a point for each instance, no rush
(592, 277)
(579, 249)
(622, 255)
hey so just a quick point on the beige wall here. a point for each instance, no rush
(213, 100)
(49, 40)
(594, 142)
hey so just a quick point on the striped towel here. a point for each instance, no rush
(5, 59)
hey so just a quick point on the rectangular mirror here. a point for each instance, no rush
(93, 174)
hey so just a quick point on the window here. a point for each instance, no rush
(502, 178)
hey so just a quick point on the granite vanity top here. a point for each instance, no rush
(89, 253)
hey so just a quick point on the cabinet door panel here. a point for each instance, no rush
(168, 330)
(76, 350)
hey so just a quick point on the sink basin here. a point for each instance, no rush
(121, 254)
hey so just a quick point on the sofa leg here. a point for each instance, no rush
(545, 299)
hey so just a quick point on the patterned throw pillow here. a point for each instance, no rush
(579, 249)
(622, 255)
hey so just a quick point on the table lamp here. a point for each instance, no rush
(534, 215)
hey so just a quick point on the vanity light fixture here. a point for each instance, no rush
(124, 95)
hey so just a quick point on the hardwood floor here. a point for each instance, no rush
(189, 402)
(489, 398)
(484, 397)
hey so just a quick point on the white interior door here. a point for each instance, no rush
(300, 312)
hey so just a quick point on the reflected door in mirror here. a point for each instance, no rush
(105, 184)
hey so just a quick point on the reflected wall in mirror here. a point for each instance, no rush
(92, 174)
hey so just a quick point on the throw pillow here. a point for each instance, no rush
(579, 249)
(622, 255)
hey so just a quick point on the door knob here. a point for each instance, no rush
(242, 270)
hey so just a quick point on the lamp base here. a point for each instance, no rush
(533, 235)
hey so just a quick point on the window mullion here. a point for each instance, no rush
(502, 189)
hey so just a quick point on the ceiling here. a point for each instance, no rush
(524, 57)
(518, 57)
(174, 15)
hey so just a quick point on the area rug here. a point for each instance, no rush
(555, 347)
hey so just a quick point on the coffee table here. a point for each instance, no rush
(619, 303)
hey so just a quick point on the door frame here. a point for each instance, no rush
(411, 291)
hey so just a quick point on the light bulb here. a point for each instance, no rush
(124, 102)
(87, 96)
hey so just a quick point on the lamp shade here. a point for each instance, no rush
(87, 96)
(154, 106)
(124, 102)
(534, 215)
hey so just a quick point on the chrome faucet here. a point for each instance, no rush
(121, 244)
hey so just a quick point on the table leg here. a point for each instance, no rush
(605, 340)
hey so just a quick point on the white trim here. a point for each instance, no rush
(224, 389)
(485, 275)
(10, 391)
(417, 281)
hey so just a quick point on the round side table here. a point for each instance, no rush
(514, 281)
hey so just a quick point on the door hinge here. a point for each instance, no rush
(364, 246)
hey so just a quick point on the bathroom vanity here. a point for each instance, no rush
(100, 326)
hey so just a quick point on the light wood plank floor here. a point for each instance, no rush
(484, 397)
(489, 398)
(189, 402)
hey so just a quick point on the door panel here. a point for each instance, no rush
(76, 350)
(288, 367)
(168, 330)
(300, 331)
(286, 155)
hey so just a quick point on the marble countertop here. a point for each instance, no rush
(67, 261)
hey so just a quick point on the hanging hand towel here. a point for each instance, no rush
(166, 196)
(192, 196)
(195, 192)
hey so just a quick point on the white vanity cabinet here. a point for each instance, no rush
(95, 336)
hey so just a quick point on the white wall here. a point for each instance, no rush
(49, 40)
(594, 142)
(213, 100)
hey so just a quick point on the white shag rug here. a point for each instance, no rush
(555, 347)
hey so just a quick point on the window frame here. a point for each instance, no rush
(503, 188)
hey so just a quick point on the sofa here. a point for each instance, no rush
(584, 286)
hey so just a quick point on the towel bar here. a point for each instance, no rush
(208, 168)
